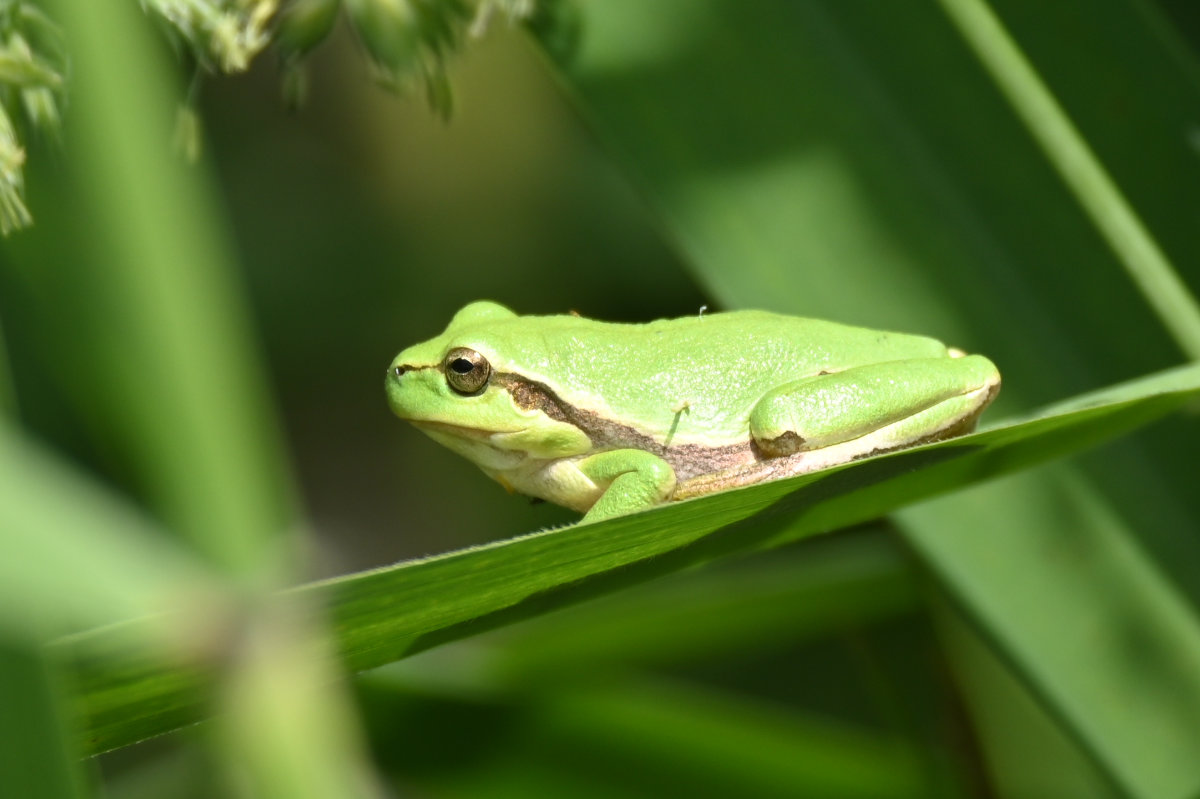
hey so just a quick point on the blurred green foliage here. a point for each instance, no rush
(32, 69)
(194, 357)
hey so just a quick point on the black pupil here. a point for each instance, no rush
(461, 365)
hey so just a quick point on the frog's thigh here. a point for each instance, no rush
(828, 409)
(636, 479)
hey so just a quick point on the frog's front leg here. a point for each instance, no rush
(636, 479)
(887, 405)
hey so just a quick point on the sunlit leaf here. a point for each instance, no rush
(384, 615)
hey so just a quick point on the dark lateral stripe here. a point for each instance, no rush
(688, 460)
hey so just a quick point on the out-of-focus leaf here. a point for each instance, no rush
(23, 70)
(13, 213)
(1042, 760)
(747, 747)
(1089, 182)
(639, 737)
(1144, 92)
(390, 31)
(72, 556)
(384, 615)
(303, 24)
(170, 386)
(1059, 583)
(32, 65)
(749, 607)
(282, 723)
(142, 271)
(8, 400)
(37, 758)
(863, 166)
(228, 35)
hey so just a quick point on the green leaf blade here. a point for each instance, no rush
(387, 614)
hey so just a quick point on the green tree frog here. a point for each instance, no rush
(612, 418)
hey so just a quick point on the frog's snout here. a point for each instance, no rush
(393, 383)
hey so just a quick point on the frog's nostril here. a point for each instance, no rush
(399, 371)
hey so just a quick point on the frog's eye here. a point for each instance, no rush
(466, 370)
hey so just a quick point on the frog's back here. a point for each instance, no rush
(695, 377)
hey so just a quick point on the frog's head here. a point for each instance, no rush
(464, 389)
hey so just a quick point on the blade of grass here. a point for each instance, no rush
(282, 723)
(171, 362)
(387, 614)
(753, 606)
(1058, 545)
(8, 397)
(1127, 76)
(1043, 760)
(1075, 162)
(860, 168)
(38, 758)
(633, 735)
(72, 556)
(172, 385)
(745, 746)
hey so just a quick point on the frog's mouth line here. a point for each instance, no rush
(461, 432)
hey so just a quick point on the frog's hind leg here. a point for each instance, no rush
(830, 419)
(875, 407)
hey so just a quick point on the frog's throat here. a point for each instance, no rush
(688, 460)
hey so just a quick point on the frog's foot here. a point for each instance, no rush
(632, 479)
